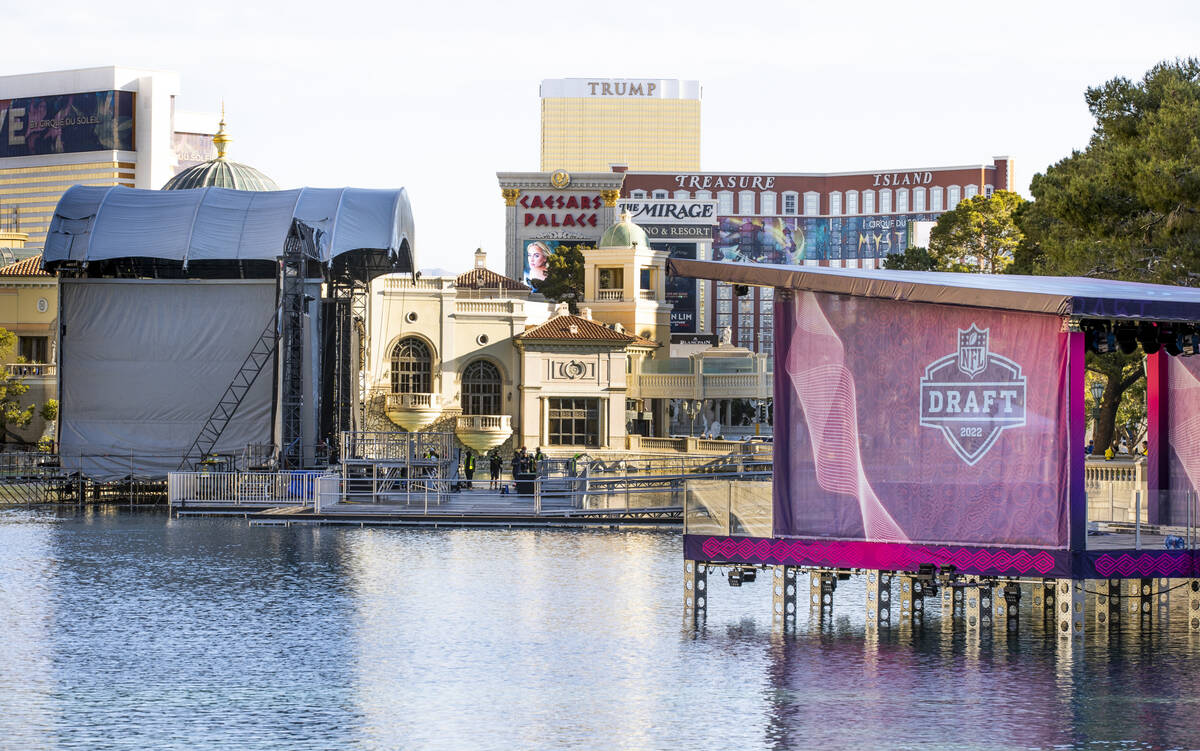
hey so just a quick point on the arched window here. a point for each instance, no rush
(481, 389)
(412, 367)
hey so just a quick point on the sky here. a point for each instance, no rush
(439, 96)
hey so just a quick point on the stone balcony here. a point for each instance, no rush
(483, 432)
(412, 411)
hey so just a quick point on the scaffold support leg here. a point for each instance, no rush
(1194, 606)
(784, 598)
(879, 599)
(1070, 598)
(1108, 604)
(953, 604)
(1044, 601)
(695, 593)
(1008, 608)
(821, 586)
(912, 602)
(1142, 601)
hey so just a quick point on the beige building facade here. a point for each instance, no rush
(589, 124)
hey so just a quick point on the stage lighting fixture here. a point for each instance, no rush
(740, 574)
(1147, 336)
(1172, 342)
(740, 290)
(1126, 339)
(1189, 342)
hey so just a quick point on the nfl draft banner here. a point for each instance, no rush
(917, 423)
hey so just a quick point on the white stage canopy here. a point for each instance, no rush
(209, 224)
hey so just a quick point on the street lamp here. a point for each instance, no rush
(692, 408)
(1097, 389)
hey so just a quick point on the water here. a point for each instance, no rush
(137, 632)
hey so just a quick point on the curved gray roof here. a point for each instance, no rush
(220, 173)
(94, 223)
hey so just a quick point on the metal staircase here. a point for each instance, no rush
(260, 354)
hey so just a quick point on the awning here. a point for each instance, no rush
(1060, 295)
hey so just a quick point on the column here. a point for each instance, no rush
(514, 264)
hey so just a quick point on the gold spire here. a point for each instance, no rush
(221, 139)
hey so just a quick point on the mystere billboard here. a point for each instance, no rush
(793, 240)
(904, 422)
(67, 123)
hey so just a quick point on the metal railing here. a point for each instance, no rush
(395, 446)
(31, 369)
(296, 488)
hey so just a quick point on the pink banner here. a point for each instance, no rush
(1182, 442)
(910, 422)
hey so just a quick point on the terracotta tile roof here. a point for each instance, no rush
(487, 279)
(575, 328)
(642, 341)
(31, 266)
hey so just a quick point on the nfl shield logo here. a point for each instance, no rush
(972, 350)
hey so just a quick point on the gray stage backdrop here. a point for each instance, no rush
(142, 364)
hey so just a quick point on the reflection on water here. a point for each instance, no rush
(135, 631)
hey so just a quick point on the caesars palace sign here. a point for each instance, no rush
(558, 210)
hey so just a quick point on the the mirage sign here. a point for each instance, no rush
(645, 211)
(913, 422)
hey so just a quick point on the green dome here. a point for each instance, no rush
(220, 172)
(624, 234)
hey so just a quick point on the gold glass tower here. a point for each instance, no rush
(589, 124)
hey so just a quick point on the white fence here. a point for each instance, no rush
(242, 488)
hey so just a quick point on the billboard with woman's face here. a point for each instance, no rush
(537, 260)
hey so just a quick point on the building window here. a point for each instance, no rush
(481, 389)
(611, 278)
(574, 422)
(412, 367)
(660, 194)
(725, 203)
(835, 203)
(766, 201)
(972, 191)
(647, 279)
(953, 196)
(852, 202)
(885, 200)
(918, 199)
(988, 190)
(935, 199)
(746, 203)
(791, 201)
(637, 194)
(33, 348)
(901, 200)
(704, 195)
(812, 203)
(868, 202)
(682, 195)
